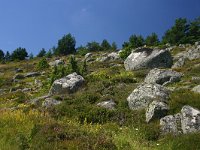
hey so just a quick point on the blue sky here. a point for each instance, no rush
(36, 24)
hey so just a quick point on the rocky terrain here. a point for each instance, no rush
(149, 101)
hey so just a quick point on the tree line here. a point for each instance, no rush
(182, 32)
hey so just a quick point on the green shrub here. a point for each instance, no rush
(125, 52)
(82, 51)
(43, 64)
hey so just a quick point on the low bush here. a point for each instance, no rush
(42, 64)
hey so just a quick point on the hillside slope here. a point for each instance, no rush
(31, 118)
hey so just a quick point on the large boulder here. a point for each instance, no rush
(148, 58)
(163, 76)
(144, 94)
(171, 124)
(187, 121)
(156, 110)
(190, 119)
(66, 85)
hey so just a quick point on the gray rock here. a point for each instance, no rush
(32, 74)
(49, 102)
(37, 100)
(110, 57)
(148, 58)
(18, 70)
(88, 55)
(195, 78)
(144, 94)
(56, 62)
(38, 83)
(67, 84)
(107, 104)
(190, 119)
(26, 89)
(193, 53)
(163, 76)
(179, 63)
(18, 76)
(156, 110)
(2, 91)
(197, 43)
(196, 89)
(171, 124)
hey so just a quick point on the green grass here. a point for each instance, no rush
(78, 123)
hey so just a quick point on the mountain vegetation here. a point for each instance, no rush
(96, 97)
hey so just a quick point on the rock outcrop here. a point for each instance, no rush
(156, 110)
(148, 58)
(66, 85)
(163, 76)
(144, 94)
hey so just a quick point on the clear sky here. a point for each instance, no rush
(36, 24)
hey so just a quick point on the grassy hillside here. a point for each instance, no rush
(78, 123)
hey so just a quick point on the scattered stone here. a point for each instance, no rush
(163, 76)
(66, 85)
(110, 57)
(179, 63)
(32, 74)
(190, 119)
(88, 55)
(37, 100)
(148, 58)
(2, 91)
(107, 104)
(156, 110)
(38, 83)
(197, 43)
(144, 94)
(56, 62)
(171, 124)
(193, 53)
(195, 78)
(18, 70)
(196, 89)
(18, 76)
(50, 102)
(26, 89)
